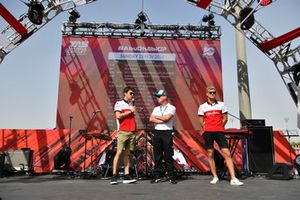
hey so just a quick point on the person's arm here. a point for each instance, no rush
(155, 120)
(201, 121)
(224, 119)
(164, 118)
(122, 115)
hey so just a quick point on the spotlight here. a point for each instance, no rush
(296, 73)
(248, 20)
(209, 19)
(141, 18)
(211, 23)
(35, 12)
(74, 15)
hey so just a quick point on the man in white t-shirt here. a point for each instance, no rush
(163, 117)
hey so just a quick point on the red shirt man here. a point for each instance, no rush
(213, 117)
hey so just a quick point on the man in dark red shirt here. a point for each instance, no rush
(213, 117)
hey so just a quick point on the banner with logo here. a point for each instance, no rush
(94, 72)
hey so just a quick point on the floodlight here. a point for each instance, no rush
(74, 15)
(35, 12)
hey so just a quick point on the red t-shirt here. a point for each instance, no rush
(213, 115)
(127, 123)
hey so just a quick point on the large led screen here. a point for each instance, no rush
(95, 70)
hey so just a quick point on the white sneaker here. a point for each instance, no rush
(236, 182)
(215, 180)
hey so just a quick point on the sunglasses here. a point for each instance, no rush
(131, 93)
(212, 92)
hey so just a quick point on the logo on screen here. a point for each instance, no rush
(77, 47)
(208, 51)
(142, 48)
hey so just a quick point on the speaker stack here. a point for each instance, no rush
(260, 146)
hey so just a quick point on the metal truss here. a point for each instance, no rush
(10, 38)
(148, 31)
(284, 56)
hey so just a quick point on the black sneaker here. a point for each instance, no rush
(172, 180)
(114, 180)
(127, 179)
(156, 179)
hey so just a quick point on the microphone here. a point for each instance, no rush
(132, 102)
(96, 111)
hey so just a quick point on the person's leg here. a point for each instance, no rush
(228, 160)
(120, 146)
(126, 157)
(209, 143)
(157, 151)
(116, 162)
(129, 146)
(221, 140)
(211, 162)
(168, 154)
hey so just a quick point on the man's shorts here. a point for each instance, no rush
(219, 137)
(126, 140)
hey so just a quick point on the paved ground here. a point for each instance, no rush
(56, 187)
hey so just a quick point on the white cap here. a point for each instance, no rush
(161, 93)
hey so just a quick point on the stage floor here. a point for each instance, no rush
(56, 187)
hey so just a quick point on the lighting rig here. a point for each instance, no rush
(39, 13)
(151, 31)
(282, 50)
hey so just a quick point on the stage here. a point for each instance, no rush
(56, 187)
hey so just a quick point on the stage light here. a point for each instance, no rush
(247, 20)
(35, 12)
(209, 19)
(74, 15)
(141, 18)
(296, 73)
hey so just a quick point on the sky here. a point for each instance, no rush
(29, 75)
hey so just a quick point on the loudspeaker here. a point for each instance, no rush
(253, 122)
(2, 159)
(18, 160)
(281, 171)
(62, 159)
(261, 149)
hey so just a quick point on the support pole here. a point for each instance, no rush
(243, 80)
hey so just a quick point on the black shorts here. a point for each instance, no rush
(219, 137)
